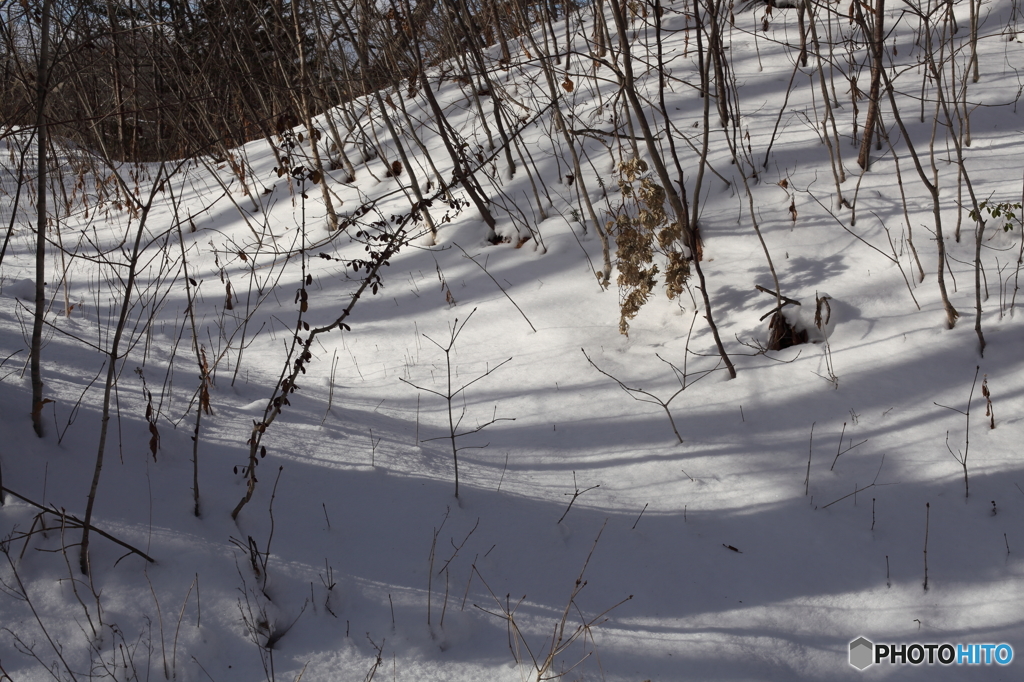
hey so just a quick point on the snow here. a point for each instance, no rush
(723, 557)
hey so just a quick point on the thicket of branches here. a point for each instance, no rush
(157, 78)
(109, 101)
(109, 105)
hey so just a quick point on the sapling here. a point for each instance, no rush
(927, 519)
(810, 451)
(465, 595)
(373, 449)
(961, 455)
(44, 74)
(444, 569)
(503, 469)
(257, 625)
(839, 449)
(114, 352)
(191, 289)
(638, 517)
(576, 493)
(329, 585)
(875, 33)
(262, 631)
(450, 393)
(430, 561)
(644, 396)
(383, 239)
(563, 634)
(177, 628)
(933, 190)
(330, 389)
(378, 660)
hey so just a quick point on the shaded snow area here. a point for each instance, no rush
(626, 510)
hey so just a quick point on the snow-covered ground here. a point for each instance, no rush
(807, 499)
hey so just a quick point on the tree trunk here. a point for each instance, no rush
(870, 121)
(42, 84)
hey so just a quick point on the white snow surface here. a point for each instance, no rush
(724, 557)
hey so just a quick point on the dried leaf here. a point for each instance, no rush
(204, 392)
(154, 440)
(568, 85)
(822, 303)
(37, 411)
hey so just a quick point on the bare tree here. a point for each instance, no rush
(43, 73)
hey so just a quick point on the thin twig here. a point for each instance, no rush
(840, 451)
(860, 490)
(577, 492)
(810, 450)
(638, 518)
(498, 285)
(927, 520)
(75, 522)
